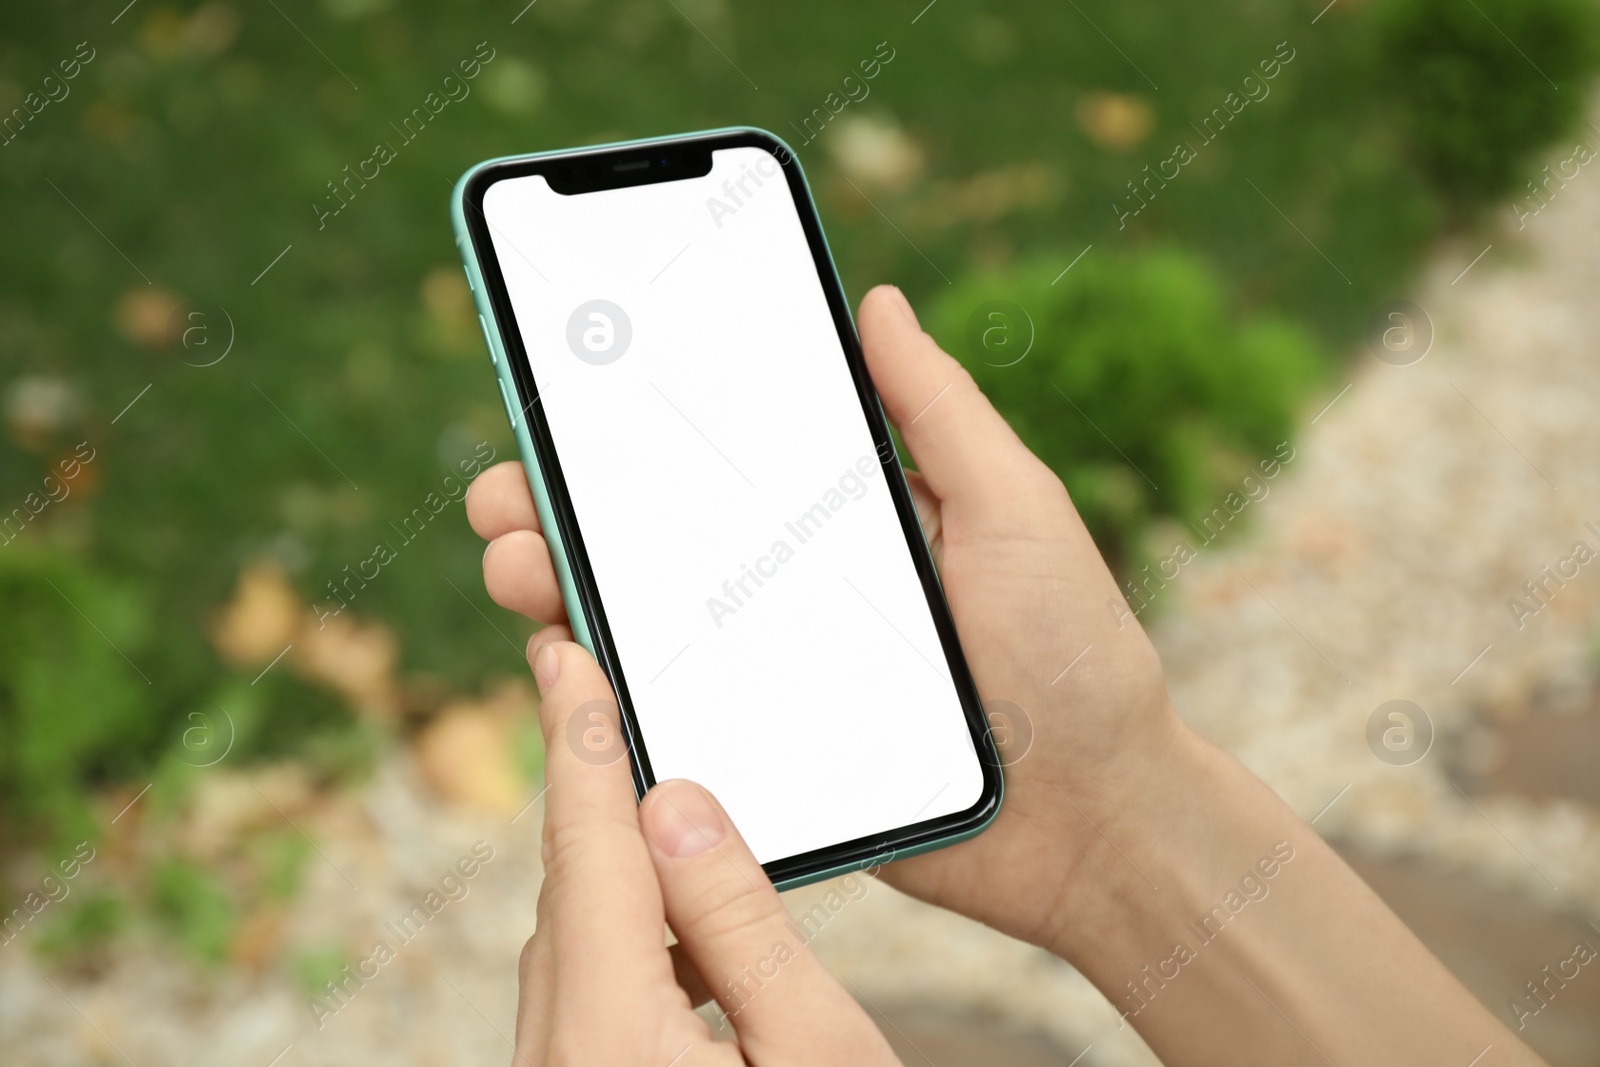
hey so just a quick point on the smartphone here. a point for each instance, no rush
(720, 492)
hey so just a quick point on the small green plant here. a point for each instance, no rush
(344, 749)
(86, 925)
(318, 965)
(195, 908)
(1131, 378)
(280, 858)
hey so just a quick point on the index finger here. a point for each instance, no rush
(499, 501)
(605, 914)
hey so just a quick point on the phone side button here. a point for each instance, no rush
(488, 340)
(511, 409)
(468, 273)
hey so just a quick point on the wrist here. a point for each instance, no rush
(1192, 847)
(1167, 824)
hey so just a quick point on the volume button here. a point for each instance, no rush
(488, 339)
(511, 409)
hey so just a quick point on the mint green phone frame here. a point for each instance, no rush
(578, 611)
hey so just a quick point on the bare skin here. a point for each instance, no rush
(1179, 883)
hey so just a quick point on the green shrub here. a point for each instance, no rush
(74, 707)
(1141, 389)
(1479, 88)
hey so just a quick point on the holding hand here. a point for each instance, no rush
(1120, 824)
(599, 985)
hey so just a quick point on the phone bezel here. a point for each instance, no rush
(847, 855)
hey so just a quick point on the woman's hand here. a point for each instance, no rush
(1074, 689)
(1041, 622)
(598, 982)
(1126, 844)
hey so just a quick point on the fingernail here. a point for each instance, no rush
(547, 666)
(683, 820)
(905, 307)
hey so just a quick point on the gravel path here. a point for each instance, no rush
(1379, 568)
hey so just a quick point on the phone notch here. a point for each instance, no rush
(625, 167)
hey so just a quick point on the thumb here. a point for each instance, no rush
(963, 447)
(753, 957)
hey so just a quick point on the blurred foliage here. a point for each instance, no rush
(314, 968)
(195, 908)
(72, 708)
(1132, 378)
(1476, 88)
(281, 858)
(343, 753)
(86, 921)
(529, 742)
(160, 212)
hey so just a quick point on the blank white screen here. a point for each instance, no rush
(815, 701)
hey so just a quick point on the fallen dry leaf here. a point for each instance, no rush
(261, 619)
(355, 658)
(39, 408)
(149, 316)
(466, 756)
(1117, 121)
(258, 938)
(874, 151)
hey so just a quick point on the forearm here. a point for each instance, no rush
(1226, 931)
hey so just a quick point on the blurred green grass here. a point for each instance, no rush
(192, 147)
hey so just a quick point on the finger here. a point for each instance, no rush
(929, 516)
(536, 967)
(737, 934)
(519, 574)
(962, 446)
(535, 991)
(499, 501)
(689, 980)
(546, 635)
(605, 916)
